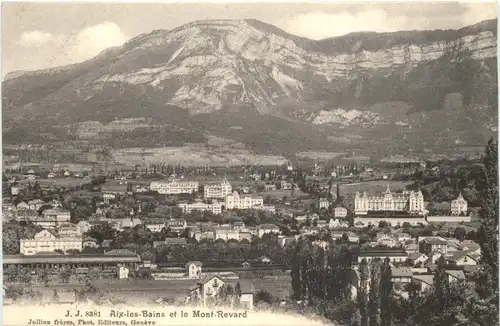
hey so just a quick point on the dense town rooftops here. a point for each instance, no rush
(381, 252)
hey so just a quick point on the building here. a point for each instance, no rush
(111, 259)
(177, 225)
(208, 288)
(68, 230)
(122, 272)
(214, 207)
(218, 190)
(235, 201)
(429, 245)
(407, 201)
(417, 258)
(340, 212)
(58, 215)
(268, 228)
(323, 203)
(394, 255)
(461, 258)
(154, 225)
(194, 269)
(459, 206)
(401, 275)
(174, 187)
(226, 234)
(49, 241)
(285, 185)
(386, 240)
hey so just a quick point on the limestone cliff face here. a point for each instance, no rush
(238, 62)
(406, 80)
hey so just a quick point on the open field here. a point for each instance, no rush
(194, 155)
(279, 194)
(320, 155)
(63, 182)
(170, 289)
(373, 187)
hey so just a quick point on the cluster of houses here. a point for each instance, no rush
(415, 260)
(215, 191)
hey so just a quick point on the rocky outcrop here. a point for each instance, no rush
(219, 75)
(234, 61)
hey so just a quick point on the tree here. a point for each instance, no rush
(295, 274)
(24, 275)
(488, 231)
(55, 297)
(374, 294)
(237, 292)
(362, 296)
(460, 233)
(10, 241)
(43, 276)
(441, 284)
(386, 287)
(64, 275)
(264, 296)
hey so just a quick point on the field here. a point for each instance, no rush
(279, 194)
(373, 187)
(171, 289)
(63, 182)
(194, 155)
(320, 155)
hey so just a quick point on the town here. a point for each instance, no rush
(232, 236)
(319, 164)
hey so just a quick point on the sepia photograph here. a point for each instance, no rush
(249, 163)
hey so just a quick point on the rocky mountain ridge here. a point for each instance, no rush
(209, 66)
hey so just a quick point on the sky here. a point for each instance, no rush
(43, 35)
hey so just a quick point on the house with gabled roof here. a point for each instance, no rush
(417, 258)
(194, 269)
(455, 275)
(401, 274)
(461, 258)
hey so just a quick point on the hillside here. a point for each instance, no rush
(277, 89)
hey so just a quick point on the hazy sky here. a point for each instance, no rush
(43, 35)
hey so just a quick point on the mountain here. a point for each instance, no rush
(242, 79)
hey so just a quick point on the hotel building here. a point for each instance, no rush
(174, 187)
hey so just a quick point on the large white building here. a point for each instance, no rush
(174, 187)
(214, 207)
(47, 241)
(407, 201)
(234, 201)
(217, 190)
(459, 205)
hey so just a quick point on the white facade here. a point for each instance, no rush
(234, 201)
(459, 205)
(215, 207)
(268, 228)
(412, 201)
(227, 234)
(59, 215)
(122, 272)
(154, 227)
(46, 241)
(194, 269)
(174, 187)
(323, 203)
(340, 212)
(217, 191)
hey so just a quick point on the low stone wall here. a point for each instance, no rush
(448, 219)
(393, 221)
